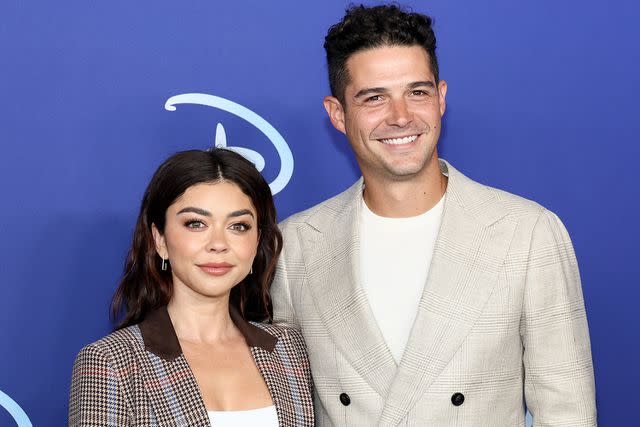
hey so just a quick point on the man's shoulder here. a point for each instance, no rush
(484, 200)
(326, 210)
(514, 204)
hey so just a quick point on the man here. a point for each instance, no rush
(425, 298)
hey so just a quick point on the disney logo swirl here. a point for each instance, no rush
(16, 412)
(284, 152)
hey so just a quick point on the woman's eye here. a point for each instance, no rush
(240, 226)
(195, 224)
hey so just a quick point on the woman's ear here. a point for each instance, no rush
(161, 244)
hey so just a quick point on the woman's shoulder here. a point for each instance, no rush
(278, 329)
(117, 345)
(287, 335)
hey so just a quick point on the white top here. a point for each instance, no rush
(395, 256)
(263, 417)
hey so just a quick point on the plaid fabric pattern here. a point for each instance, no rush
(288, 376)
(117, 382)
(501, 318)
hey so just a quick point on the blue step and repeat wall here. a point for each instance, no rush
(543, 102)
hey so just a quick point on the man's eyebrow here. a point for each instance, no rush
(420, 84)
(370, 91)
(194, 210)
(379, 90)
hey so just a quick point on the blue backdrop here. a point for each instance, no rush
(542, 102)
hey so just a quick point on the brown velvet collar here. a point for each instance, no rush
(160, 337)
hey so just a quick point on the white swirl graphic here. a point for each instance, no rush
(284, 152)
(16, 412)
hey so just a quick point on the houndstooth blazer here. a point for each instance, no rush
(138, 376)
(501, 322)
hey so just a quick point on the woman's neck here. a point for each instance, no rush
(201, 320)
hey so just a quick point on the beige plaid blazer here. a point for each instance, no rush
(138, 376)
(501, 323)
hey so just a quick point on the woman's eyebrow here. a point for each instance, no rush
(204, 212)
(240, 213)
(199, 211)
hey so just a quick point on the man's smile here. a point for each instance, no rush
(399, 140)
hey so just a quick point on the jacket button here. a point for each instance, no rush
(345, 399)
(457, 399)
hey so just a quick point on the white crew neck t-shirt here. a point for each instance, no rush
(267, 417)
(395, 256)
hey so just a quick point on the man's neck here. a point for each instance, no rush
(405, 198)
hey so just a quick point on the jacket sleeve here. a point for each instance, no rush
(96, 398)
(559, 382)
(283, 310)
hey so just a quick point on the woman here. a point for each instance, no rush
(187, 351)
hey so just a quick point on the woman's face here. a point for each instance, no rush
(210, 239)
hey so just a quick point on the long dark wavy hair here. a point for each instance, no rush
(145, 286)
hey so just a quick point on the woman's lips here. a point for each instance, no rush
(216, 268)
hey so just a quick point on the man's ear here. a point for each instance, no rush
(335, 112)
(161, 244)
(442, 93)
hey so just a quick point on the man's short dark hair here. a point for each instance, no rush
(365, 28)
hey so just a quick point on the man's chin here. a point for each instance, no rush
(406, 169)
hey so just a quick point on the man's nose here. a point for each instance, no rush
(400, 115)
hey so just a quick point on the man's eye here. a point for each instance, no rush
(240, 226)
(195, 224)
(374, 98)
(418, 92)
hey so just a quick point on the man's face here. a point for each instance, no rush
(392, 111)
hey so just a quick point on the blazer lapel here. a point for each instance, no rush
(169, 383)
(172, 389)
(469, 251)
(277, 374)
(331, 256)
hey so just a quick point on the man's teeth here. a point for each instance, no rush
(398, 141)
